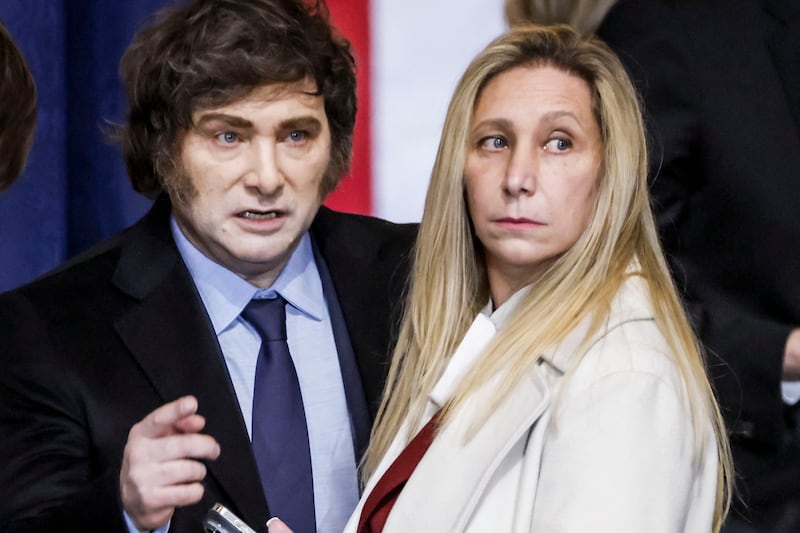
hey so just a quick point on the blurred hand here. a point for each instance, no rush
(791, 357)
(275, 525)
(160, 465)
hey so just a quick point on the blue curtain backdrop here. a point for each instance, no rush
(74, 190)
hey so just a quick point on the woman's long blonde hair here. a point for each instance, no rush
(449, 285)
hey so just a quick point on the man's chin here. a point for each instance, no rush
(256, 266)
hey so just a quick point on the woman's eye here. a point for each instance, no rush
(558, 145)
(227, 137)
(494, 143)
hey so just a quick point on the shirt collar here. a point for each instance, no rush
(225, 294)
(469, 351)
(504, 313)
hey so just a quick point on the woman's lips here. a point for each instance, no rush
(515, 224)
(513, 221)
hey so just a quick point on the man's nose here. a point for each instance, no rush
(264, 172)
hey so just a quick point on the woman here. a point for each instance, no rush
(543, 330)
(546, 378)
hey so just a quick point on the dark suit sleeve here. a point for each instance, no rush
(744, 350)
(48, 480)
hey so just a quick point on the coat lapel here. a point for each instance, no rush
(464, 455)
(468, 464)
(783, 41)
(170, 335)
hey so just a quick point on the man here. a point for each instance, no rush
(720, 81)
(130, 375)
(17, 110)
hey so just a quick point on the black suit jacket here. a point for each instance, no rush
(720, 81)
(92, 348)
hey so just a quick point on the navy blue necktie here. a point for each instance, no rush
(280, 435)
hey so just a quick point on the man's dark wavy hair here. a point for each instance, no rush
(214, 52)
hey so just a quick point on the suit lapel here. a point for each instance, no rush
(170, 335)
(783, 41)
(359, 270)
(353, 389)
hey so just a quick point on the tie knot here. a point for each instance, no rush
(268, 317)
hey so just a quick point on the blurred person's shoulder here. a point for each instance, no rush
(147, 244)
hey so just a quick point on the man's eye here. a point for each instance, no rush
(227, 137)
(493, 143)
(297, 136)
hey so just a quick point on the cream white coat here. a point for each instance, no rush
(606, 448)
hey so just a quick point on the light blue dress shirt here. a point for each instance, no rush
(313, 351)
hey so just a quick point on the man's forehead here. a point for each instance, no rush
(303, 92)
(276, 91)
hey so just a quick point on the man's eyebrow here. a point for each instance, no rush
(303, 122)
(231, 120)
